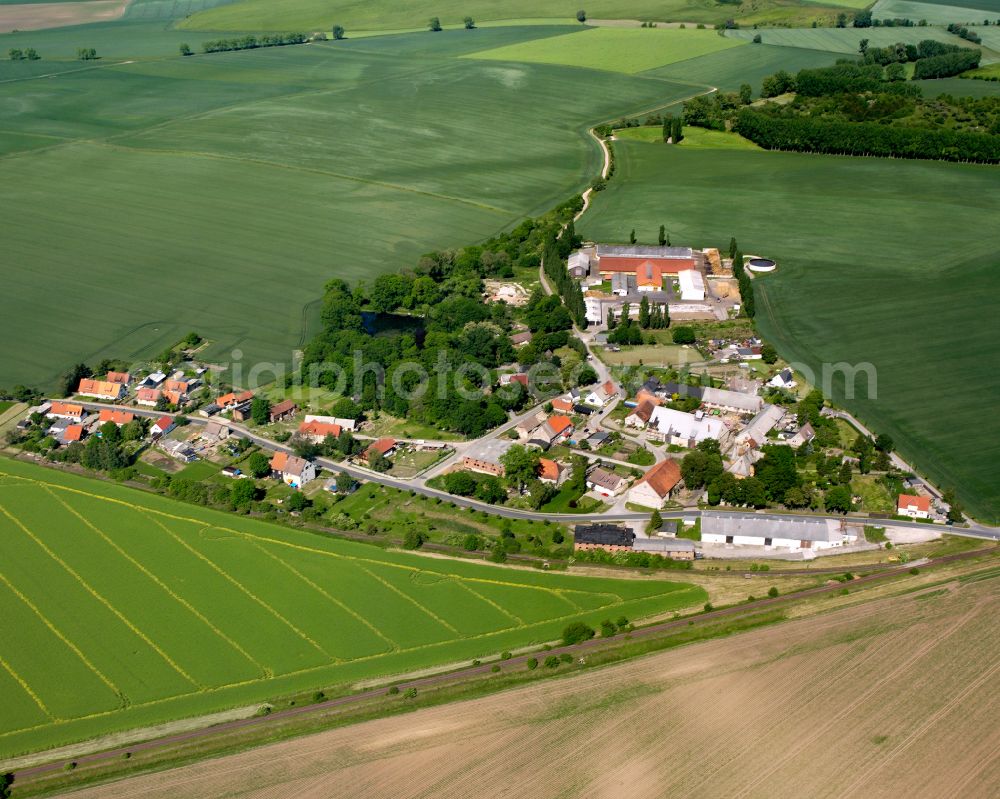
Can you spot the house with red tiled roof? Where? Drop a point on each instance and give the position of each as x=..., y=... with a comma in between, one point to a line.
x=73, y=432
x=65, y=410
x=318, y=431
x=283, y=410
x=180, y=386
x=914, y=506
x=601, y=395
x=162, y=426
x=148, y=397
x=100, y=389
x=562, y=405
x=641, y=415
x=122, y=378
x=655, y=488
x=118, y=417
x=386, y=446
x=229, y=401
x=555, y=430
x=549, y=471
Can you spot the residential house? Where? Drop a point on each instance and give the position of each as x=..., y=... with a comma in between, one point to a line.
x=175, y=397
x=178, y=386
x=386, y=446
x=520, y=339
x=802, y=436
x=484, y=456
x=562, y=405
x=121, y=378
x=162, y=426
x=556, y=429
x=65, y=410
x=100, y=389
x=285, y=409
x=605, y=482
x=317, y=431
x=609, y=537
x=118, y=417
x=654, y=489
x=641, y=415
x=69, y=434
x=916, y=507
x=229, y=401
x=784, y=379
x=794, y=534
x=549, y=471
x=601, y=395
x=685, y=429
x=292, y=470
x=148, y=397
x=344, y=424
x=599, y=439
x=507, y=379
x=525, y=428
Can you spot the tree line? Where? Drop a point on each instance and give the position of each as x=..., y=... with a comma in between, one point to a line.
x=251, y=42
x=802, y=134
x=28, y=54
x=742, y=279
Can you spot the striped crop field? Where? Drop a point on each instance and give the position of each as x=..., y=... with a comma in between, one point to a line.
x=628, y=50
x=122, y=609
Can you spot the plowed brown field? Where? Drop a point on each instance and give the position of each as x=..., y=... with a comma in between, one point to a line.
x=893, y=698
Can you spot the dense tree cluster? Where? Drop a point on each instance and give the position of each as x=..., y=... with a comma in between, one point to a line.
x=28, y=54
x=865, y=138
x=944, y=66
x=554, y=256
x=251, y=42
x=743, y=280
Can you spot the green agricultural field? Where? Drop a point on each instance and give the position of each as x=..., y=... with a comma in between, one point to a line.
x=628, y=50
x=845, y=40
x=970, y=11
x=888, y=262
x=694, y=138
x=219, y=193
x=375, y=15
x=124, y=609
x=729, y=69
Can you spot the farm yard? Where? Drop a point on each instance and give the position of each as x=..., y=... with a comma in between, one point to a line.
x=901, y=242
x=883, y=699
x=141, y=189
x=123, y=609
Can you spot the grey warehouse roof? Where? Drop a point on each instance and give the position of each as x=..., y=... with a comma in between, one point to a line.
x=765, y=526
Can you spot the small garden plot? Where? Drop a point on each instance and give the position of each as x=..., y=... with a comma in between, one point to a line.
x=411, y=462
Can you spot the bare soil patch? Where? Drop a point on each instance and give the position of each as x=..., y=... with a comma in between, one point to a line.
x=896, y=697
x=36, y=16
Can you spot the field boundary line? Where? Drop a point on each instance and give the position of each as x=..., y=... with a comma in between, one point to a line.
x=102, y=599
x=339, y=603
x=180, y=600
x=228, y=577
x=488, y=601
x=27, y=689
x=409, y=598
x=59, y=634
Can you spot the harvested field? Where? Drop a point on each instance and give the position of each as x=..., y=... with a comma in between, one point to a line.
x=896, y=697
x=35, y=16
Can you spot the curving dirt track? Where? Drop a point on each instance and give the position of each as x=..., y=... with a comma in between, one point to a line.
x=896, y=697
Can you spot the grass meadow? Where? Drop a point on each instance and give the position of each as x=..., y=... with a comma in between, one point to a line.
x=373, y=15
x=628, y=50
x=123, y=609
x=883, y=261
x=219, y=193
x=972, y=11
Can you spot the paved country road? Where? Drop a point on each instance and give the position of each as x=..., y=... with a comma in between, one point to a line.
x=575, y=650
x=418, y=485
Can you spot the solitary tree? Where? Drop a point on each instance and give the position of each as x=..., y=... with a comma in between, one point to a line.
x=258, y=465
x=434, y=24
x=746, y=94
x=15, y=54
x=663, y=235
x=470, y=23
x=260, y=410
x=581, y=16
x=186, y=49
x=338, y=32
x=863, y=46
x=631, y=237
x=655, y=522
x=768, y=354
x=678, y=132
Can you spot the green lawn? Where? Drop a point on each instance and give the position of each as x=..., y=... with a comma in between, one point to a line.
x=887, y=262
x=627, y=50
x=126, y=609
x=199, y=470
x=231, y=187
x=6, y=405
x=560, y=503
x=694, y=138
